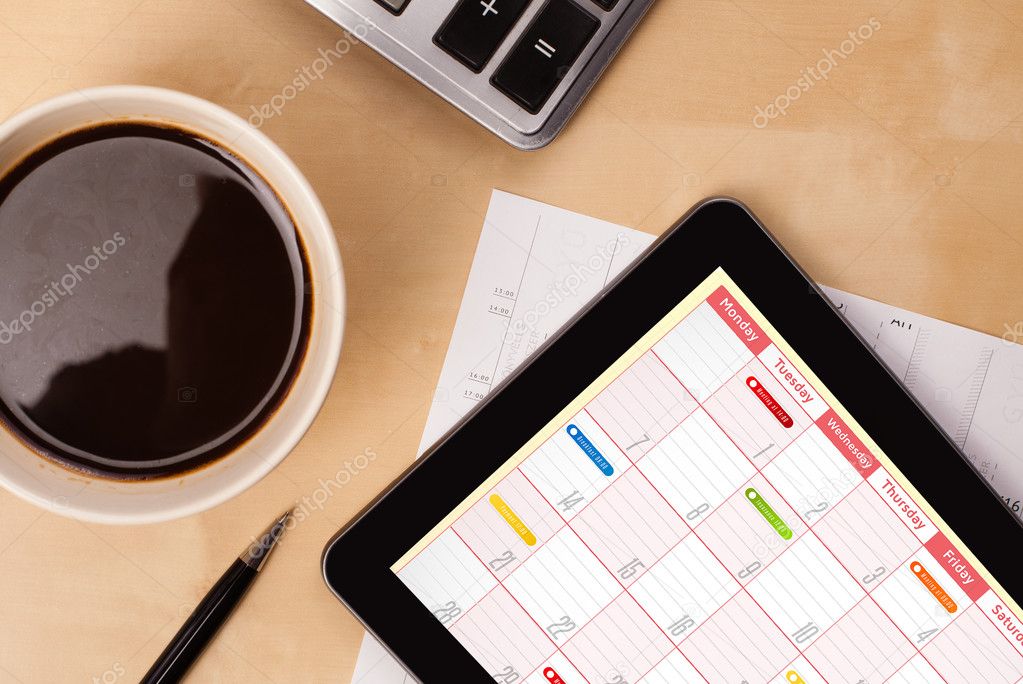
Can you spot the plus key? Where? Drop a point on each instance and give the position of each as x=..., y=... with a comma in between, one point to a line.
x=475, y=29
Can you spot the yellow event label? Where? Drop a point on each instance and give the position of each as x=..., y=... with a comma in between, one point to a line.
x=514, y=521
x=794, y=677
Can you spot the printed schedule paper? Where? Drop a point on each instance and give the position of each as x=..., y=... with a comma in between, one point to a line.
x=971, y=383
x=706, y=511
x=536, y=265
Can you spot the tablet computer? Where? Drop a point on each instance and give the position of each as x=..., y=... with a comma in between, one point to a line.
x=705, y=477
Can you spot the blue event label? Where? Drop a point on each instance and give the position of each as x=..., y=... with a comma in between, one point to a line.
x=591, y=451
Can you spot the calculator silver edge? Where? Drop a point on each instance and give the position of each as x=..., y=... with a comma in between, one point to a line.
x=407, y=42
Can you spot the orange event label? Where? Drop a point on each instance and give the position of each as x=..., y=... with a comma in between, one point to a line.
x=932, y=586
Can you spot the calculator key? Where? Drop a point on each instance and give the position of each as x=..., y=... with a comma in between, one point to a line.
x=546, y=52
x=607, y=4
x=475, y=29
x=396, y=6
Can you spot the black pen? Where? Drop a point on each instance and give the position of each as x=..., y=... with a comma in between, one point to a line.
x=213, y=611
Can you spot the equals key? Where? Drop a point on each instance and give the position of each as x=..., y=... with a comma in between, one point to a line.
x=545, y=53
x=545, y=48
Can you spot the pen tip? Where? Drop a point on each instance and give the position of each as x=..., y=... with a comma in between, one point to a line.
x=256, y=554
x=283, y=520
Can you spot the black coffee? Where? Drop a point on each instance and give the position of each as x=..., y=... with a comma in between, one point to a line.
x=153, y=311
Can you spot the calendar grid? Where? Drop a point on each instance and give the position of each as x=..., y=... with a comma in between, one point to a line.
x=880, y=584
x=812, y=531
x=703, y=403
x=791, y=556
x=693, y=529
x=501, y=586
x=625, y=590
x=920, y=548
x=808, y=661
x=497, y=582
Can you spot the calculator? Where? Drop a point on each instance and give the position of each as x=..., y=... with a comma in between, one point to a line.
x=518, y=67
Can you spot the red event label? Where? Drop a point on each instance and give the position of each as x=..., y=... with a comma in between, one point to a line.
x=737, y=318
x=848, y=443
x=769, y=401
x=551, y=676
x=957, y=567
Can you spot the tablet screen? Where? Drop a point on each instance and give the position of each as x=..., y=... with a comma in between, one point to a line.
x=707, y=511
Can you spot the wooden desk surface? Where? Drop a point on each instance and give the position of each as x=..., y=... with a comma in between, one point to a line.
x=897, y=178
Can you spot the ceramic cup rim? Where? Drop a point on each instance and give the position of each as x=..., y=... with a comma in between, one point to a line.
x=98, y=499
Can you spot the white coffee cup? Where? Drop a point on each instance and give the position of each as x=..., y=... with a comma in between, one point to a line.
x=94, y=498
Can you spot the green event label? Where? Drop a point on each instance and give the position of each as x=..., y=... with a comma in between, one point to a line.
x=783, y=530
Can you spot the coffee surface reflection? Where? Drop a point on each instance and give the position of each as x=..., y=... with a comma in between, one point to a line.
x=153, y=301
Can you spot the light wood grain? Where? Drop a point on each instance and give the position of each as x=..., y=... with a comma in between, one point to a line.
x=897, y=178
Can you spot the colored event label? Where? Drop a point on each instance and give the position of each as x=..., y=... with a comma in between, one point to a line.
x=932, y=586
x=793, y=676
x=770, y=516
x=769, y=401
x=513, y=520
x=551, y=676
x=591, y=451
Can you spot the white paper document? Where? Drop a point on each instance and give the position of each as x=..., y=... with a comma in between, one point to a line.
x=971, y=383
x=537, y=265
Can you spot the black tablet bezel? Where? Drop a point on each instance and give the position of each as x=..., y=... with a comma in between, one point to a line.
x=716, y=233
